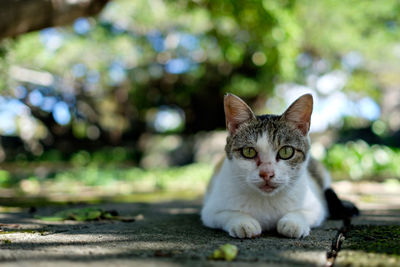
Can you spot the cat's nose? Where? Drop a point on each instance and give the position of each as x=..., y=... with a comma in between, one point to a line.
x=266, y=175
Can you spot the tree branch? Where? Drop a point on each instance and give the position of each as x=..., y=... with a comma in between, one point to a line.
x=21, y=16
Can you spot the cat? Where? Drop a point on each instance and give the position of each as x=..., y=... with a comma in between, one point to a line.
x=268, y=180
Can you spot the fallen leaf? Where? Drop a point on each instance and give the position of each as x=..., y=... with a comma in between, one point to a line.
x=86, y=214
x=226, y=252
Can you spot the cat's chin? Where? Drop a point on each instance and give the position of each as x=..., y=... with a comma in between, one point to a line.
x=267, y=188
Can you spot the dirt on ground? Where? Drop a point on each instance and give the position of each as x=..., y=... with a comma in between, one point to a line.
x=167, y=234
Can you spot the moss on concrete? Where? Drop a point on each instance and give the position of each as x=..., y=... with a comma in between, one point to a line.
x=24, y=231
x=375, y=238
x=371, y=245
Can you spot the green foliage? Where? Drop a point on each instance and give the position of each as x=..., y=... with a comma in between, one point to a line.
x=175, y=178
x=124, y=60
x=243, y=86
x=364, y=83
x=102, y=156
x=114, y=180
x=116, y=75
x=4, y=178
x=51, y=155
x=334, y=27
x=358, y=160
x=354, y=161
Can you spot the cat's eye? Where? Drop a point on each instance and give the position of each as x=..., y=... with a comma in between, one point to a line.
x=286, y=152
x=248, y=152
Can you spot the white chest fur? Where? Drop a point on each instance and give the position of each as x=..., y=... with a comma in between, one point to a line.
x=230, y=196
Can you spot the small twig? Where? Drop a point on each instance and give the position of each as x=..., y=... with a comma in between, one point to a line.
x=337, y=242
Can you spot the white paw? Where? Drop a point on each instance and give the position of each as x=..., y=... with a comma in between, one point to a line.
x=292, y=227
x=244, y=227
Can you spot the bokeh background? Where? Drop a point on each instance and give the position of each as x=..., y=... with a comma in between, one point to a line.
x=129, y=101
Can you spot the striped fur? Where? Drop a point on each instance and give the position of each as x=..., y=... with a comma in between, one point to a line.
x=248, y=195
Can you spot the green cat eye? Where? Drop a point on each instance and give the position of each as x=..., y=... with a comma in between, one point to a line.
x=286, y=152
x=248, y=152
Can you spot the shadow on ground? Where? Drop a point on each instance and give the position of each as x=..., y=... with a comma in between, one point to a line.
x=167, y=233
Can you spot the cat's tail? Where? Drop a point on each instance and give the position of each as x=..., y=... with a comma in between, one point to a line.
x=339, y=209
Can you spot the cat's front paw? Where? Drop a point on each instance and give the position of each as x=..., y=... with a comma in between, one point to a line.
x=292, y=227
x=244, y=227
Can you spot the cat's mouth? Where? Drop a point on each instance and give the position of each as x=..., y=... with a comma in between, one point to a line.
x=267, y=187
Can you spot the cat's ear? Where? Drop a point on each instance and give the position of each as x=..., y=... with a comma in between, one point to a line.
x=236, y=112
x=299, y=113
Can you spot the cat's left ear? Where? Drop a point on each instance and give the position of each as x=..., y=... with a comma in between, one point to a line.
x=236, y=112
x=299, y=113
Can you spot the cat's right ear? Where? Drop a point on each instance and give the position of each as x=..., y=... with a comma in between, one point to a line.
x=236, y=112
x=299, y=113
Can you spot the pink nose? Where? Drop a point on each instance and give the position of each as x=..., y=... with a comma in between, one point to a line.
x=266, y=175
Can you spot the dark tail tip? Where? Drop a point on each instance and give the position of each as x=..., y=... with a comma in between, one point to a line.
x=339, y=209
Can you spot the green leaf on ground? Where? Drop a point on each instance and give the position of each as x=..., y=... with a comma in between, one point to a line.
x=85, y=214
x=227, y=252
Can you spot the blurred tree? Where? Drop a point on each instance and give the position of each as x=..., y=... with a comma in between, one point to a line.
x=149, y=65
x=361, y=39
x=17, y=17
x=164, y=65
x=356, y=36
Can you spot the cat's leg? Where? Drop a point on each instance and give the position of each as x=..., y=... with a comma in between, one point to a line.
x=237, y=224
x=298, y=223
x=311, y=213
x=294, y=224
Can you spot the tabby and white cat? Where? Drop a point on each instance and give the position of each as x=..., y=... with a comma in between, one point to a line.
x=268, y=179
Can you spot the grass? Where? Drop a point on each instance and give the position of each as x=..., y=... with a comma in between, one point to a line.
x=102, y=174
x=361, y=161
x=93, y=181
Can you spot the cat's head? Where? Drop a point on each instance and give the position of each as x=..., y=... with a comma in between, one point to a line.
x=268, y=152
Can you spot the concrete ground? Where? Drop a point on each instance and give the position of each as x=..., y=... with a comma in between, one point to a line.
x=171, y=234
